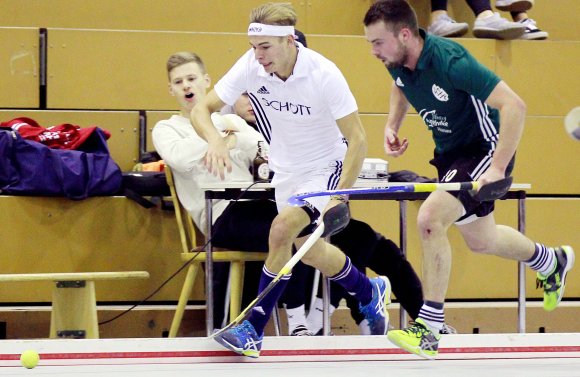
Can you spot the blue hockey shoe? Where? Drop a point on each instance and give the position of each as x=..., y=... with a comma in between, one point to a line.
x=242, y=339
x=375, y=312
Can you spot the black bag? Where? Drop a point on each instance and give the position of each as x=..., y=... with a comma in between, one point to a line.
x=140, y=184
x=409, y=176
x=146, y=183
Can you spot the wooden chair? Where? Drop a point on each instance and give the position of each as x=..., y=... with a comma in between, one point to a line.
x=237, y=260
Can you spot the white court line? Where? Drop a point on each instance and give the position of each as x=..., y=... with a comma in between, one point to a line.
x=421, y=368
x=461, y=355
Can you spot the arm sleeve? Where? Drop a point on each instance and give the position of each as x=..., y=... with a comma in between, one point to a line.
x=469, y=75
x=337, y=94
x=247, y=137
x=182, y=154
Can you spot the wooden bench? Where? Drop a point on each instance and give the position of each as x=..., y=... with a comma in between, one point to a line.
x=74, y=305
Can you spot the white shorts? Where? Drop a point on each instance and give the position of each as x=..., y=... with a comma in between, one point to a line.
x=288, y=184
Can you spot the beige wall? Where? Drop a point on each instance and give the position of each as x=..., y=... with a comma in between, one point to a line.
x=337, y=17
x=116, y=234
x=549, y=171
x=96, y=234
x=553, y=221
x=135, y=77
x=314, y=16
x=19, y=79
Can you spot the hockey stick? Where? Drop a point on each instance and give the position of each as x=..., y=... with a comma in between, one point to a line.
x=488, y=192
x=333, y=221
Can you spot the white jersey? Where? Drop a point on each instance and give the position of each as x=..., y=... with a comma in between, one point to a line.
x=297, y=116
x=183, y=150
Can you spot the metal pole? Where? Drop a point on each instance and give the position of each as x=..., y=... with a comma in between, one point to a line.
x=208, y=266
x=42, y=67
x=522, y=268
x=403, y=246
x=326, y=305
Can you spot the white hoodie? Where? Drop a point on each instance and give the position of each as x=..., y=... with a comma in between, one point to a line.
x=183, y=150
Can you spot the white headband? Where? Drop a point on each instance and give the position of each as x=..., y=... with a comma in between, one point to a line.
x=270, y=30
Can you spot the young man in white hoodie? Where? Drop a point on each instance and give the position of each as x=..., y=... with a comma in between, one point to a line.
x=184, y=151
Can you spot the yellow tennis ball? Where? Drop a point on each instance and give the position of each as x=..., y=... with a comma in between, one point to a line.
x=29, y=359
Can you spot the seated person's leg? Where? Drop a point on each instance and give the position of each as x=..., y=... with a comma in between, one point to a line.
x=362, y=244
x=252, y=272
x=357, y=241
x=316, y=312
x=388, y=259
x=243, y=226
x=220, y=285
x=294, y=300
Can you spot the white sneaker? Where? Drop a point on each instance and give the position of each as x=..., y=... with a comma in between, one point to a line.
x=447, y=329
x=364, y=327
x=301, y=330
x=496, y=27
x=532, y=32
x=445, y=26
x=514, y=5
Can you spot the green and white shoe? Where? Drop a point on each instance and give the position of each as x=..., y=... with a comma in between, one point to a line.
x=555, y=282
x=417, y=339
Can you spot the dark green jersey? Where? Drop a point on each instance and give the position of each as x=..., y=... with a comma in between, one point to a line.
x=448, y=88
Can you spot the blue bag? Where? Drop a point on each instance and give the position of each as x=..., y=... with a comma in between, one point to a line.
x=31, y=168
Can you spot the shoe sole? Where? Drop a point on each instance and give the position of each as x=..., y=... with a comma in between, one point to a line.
x=517, y=6
x=387, y=301
x=535, y=36
x=455, y=33
x=414, y=350
x=506, y=34
x=239, y=351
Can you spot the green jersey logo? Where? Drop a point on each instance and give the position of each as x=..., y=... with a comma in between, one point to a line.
x=439, y=93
